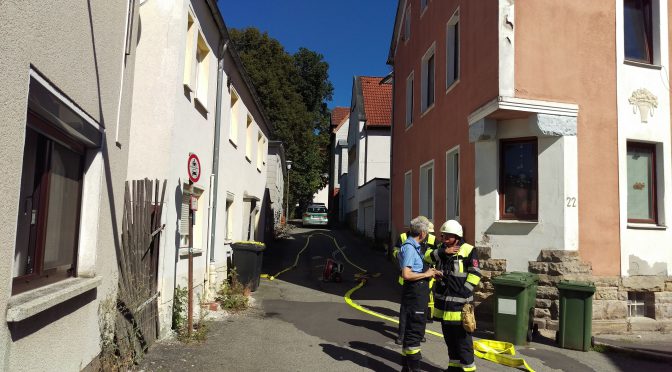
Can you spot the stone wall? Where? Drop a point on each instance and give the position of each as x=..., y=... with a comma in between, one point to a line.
x=551, y=267
x=483, y=299
x=610, y=302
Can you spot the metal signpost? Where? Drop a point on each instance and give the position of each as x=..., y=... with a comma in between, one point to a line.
x=194, y=171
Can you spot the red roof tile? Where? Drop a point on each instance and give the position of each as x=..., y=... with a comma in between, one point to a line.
x=377, y=101
x=338, y=114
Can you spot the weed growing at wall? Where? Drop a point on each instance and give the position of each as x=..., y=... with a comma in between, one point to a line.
x=233, y=295
x=180, y=326
x=111, y=357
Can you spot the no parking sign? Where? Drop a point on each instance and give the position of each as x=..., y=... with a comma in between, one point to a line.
x=194, y=168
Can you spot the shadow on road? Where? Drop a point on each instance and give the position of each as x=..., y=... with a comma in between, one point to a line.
x=341, y=353
x=378, y=326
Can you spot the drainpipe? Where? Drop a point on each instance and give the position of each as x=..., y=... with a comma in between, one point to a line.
x=212, y=275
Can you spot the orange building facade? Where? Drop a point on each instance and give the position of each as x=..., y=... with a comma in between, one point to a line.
x=544, y=128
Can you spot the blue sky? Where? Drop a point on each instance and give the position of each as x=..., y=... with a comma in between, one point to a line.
x=353, y=35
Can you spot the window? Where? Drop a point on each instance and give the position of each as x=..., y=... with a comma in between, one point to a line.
x=189, y=79
x=260, y=150
x=409, y=100
x=423, y=5
x=638, y=30
x=229, y=217
x=428, y=79
x=408, y=197
x=202, y=71
x=47, y=235
x=641, y=159
x=427, y=190
x=453, y=49
x=188, y=216
x=453, y=184
x=233, y=129
x=248, y=139
x=641, y=304
x=407, y=25
x=518, y=196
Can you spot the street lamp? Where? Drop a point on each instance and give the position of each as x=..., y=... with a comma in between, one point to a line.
x=289, y=167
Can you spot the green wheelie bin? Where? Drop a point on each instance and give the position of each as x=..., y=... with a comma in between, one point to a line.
x=576, y=315
x=515, y=299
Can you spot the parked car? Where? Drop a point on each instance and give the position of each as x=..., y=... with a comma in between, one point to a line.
x=315, y=214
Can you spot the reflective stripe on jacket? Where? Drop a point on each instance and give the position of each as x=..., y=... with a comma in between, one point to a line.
x=460, y=276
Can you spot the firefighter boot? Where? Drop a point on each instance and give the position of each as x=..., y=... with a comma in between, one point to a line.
x=413, y=365
x=404, y=363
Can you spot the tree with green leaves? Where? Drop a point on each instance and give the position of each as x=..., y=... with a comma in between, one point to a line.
x=293, y=89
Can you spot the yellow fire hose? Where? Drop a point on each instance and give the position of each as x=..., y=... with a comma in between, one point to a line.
x=495, y=351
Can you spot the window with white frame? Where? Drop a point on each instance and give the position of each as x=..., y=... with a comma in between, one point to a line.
x=189, y=214
x=641, y=163
x=518, y=179
x=423, y=5
x=229, y=217
x=428, y=79
x=638, y=30
x=233, y=129
x=453, y=49
x=427, y=190
x=453, y=184
x=260, y=150
x=407, y=25
x=202, y=71
x=408, y=197
x=409, y=100
x=189, y=79
x=248, y=138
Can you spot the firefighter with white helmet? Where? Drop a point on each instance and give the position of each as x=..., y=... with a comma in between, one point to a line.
x=458, y=263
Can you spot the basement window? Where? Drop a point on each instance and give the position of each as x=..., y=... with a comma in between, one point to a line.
x=640, y=305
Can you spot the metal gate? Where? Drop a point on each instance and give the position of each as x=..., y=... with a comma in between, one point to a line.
x=137, y=321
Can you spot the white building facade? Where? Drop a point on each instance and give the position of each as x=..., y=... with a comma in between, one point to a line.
x=366, y=195
x=192, y=98
x=67, y=78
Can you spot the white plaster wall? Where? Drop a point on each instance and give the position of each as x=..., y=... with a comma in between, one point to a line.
x=79, y=48
x=322, y=195
x=649, y=245
x=168, y=126
x=237, y=175
x=355, y=172
x=378, y=154
x=340, y=156
x=362, y=144
x=521, y=241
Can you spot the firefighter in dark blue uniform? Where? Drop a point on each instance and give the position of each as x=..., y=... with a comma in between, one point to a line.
x=458, y=263
x=415, y=296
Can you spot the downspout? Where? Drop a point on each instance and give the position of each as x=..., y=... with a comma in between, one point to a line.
x=391, y=190
x=212, y=275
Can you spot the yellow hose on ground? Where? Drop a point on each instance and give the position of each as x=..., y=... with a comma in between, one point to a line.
x=495, y=351
x=296, y=260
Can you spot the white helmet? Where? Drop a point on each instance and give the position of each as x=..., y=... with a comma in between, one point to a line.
x=431, y=227
x=452, y=227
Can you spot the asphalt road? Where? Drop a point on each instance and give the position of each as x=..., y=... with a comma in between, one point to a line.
x=300, y=323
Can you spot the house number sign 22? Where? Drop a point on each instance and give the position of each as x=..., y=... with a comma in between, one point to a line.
x=571, y=202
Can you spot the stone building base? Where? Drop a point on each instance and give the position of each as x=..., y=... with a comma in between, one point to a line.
x=611, y=309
